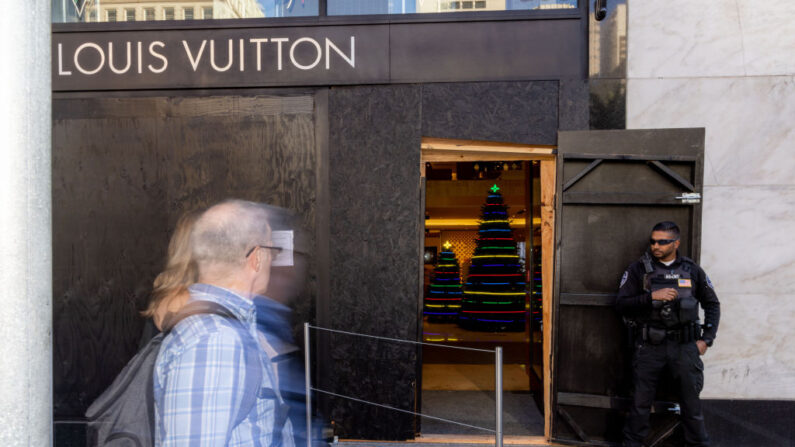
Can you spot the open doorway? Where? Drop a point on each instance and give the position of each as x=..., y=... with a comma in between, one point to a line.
x=483, y=284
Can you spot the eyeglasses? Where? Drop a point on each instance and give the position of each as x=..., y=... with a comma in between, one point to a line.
x=662, y=241
x=278, y=249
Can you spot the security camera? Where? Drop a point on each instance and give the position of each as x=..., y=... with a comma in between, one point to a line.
x=600, y=9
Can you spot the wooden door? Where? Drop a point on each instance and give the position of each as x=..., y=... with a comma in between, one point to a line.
x=612, y=187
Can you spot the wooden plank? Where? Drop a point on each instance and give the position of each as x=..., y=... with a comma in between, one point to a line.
x=445, y=144
x=587, y=299
x=582, y=173
x=591, y=156
x=664, y=433
x=528, y=255
x=573, y=425
x=619, y=198
x=608, y=402
x=548, y=172
x=585, y=400
x=474, y=155
x=673, y=175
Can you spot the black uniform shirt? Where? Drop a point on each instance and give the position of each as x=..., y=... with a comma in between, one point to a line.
x=633, y=301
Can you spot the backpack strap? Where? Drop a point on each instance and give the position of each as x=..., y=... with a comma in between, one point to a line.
x=196, y=308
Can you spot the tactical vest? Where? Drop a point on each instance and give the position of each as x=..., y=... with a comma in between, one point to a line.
x=684, y=309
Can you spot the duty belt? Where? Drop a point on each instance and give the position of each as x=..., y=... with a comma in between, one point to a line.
x=685, y=334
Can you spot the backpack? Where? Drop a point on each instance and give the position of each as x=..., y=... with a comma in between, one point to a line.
x=124, y=414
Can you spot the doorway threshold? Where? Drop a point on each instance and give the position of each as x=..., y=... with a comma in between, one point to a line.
x=450, y=440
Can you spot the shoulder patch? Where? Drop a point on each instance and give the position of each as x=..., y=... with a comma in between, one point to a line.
x=624, y=279
x=709, y=282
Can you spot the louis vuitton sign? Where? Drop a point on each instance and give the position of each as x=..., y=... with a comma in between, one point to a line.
x=219, y=58
x=317, y=54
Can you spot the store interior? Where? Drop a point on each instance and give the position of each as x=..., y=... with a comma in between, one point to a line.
x=459, y=384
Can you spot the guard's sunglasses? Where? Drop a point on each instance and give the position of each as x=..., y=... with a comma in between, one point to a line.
x=662, y=241
x=278, y=249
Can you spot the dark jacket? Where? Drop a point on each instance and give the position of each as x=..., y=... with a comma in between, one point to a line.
x=634, y=301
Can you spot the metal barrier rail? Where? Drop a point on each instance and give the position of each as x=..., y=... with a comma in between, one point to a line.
x=498, y=435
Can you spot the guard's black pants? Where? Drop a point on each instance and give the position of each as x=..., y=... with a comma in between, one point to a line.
x=649, y=364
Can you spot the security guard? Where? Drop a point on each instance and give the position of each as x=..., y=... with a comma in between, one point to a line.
x=659, y=297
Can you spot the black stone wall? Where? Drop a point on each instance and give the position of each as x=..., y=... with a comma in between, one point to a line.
x=374, y=141
x=375, y=135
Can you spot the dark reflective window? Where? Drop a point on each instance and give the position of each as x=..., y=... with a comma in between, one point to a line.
x=359, y=7
x=64, y=11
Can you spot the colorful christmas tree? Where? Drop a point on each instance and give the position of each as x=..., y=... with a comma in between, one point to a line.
x=495, y=289
x=443, y=300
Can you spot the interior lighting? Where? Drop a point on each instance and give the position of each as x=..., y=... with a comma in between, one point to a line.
x=472, y=292
x=441, y=223
x=495, y=256
x=493, y=311
x=500, y=274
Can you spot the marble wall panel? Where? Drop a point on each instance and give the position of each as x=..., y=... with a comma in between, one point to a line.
x=517, y=112
x=768, y=30
x=374, y=180
x=752, y=358
x=750, y=139
x=747, y=239
x=683, y=38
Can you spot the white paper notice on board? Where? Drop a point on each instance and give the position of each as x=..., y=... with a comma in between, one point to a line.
x=283, y=239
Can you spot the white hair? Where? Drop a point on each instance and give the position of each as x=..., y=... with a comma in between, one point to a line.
x=223, y=235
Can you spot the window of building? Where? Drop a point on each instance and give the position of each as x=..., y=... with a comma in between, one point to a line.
x=67, y=11
x=361, y=7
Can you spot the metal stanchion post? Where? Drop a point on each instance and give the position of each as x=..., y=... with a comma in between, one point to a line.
x=308, y=386
x=498, y=395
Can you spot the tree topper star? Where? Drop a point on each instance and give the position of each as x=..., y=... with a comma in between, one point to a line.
x=495, y=188
x=447, y=245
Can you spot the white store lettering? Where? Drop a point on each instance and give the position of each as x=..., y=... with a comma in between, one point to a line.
x=267, y=53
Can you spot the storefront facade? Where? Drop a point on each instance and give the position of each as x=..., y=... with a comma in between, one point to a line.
x=324, y=113
x=327, y=116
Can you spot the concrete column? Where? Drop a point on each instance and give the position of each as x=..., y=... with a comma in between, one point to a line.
x=25, y=225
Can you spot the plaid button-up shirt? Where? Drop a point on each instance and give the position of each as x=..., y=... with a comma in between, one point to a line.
x=201, y=378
